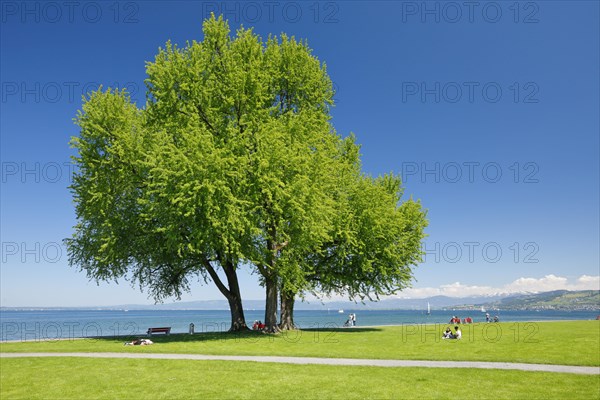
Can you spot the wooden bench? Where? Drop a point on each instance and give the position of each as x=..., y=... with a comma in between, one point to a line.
x=166, y=331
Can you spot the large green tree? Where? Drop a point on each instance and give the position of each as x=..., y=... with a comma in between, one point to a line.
x=233, y=163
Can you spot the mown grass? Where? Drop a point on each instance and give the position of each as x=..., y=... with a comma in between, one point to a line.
x=77, y=378
x=569, y=343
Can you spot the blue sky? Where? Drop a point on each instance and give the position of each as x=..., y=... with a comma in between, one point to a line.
x=489, y=110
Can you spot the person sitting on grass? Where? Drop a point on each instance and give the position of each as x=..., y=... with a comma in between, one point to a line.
x=447, y=334
x=139, y=342
x=457, y=333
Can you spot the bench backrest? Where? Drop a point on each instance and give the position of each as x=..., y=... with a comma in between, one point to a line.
x=152, y=330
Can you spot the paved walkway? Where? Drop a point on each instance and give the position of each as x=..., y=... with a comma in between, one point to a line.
x=329, y=361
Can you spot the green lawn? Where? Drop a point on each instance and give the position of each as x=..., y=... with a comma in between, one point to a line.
x=78, y=378
x=570, y=343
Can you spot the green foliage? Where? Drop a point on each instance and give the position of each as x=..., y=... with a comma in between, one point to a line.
x=375, y=239
x=234, y=161
x=119, y=232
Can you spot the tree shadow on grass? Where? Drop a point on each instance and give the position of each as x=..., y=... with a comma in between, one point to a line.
x=185, y=337
x=249, y=335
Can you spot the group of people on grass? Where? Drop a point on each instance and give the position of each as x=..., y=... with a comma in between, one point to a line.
x=448, y=334
x=456, y=320
x=489, y=319
x=258, y=325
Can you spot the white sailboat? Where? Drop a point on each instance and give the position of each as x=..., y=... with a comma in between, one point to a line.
x=428, y=308
x=483, y=309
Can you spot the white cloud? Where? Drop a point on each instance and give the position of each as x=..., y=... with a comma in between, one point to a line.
x=545, y=284
x=589, y=280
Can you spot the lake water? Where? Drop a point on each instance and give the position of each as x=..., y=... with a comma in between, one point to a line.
x=67, y=324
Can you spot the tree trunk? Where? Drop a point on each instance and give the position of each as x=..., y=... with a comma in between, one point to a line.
x=287, y=311
x=238, y=321
x=231, y=293
x=271, y=305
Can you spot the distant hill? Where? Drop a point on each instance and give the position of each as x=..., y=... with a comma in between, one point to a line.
x=556, y=300
x=582, y=300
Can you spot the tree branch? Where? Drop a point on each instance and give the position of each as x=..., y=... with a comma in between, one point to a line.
x=215, y=277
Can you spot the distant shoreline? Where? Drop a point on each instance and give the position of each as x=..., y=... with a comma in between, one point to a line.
x=557, y=300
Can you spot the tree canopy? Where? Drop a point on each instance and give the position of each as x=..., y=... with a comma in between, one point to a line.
x=234, y=163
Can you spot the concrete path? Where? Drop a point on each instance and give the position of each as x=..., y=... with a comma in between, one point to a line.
x=329, y=361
